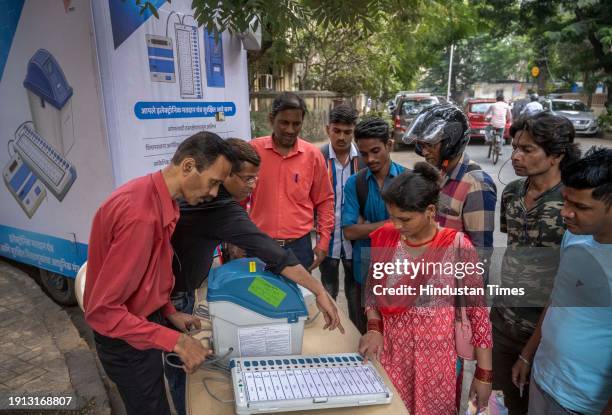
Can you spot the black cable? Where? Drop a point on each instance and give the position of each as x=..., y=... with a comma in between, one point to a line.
x=499, y=171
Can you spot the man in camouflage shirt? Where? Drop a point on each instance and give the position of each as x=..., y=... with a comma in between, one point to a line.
x=530, y=215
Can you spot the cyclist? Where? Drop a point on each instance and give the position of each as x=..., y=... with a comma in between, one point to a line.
x=499, y=114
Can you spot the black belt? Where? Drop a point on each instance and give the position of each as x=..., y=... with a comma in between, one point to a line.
x=285, y=242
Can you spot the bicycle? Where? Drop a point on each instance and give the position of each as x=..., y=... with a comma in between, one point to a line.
x=495, y=140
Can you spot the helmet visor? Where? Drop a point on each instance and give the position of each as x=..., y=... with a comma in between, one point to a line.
x=429, y=130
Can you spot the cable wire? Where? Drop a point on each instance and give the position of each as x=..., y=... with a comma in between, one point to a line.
x=219, y=379
x=500, y=169
x=209, y=361
x=309, y=322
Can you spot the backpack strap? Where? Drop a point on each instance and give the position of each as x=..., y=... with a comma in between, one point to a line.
x=328, y=163
x=362, y=190
x=325, y=150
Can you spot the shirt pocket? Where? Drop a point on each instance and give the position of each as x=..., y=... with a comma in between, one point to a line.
x=298, y=185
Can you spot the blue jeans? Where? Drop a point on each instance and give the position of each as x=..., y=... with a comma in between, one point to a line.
x=183, y=301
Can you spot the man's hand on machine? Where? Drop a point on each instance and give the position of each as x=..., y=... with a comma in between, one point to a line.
x=330, y=312
x=192, y=352
x=184, y=322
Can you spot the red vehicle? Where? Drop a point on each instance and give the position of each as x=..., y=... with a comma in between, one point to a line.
x=476, y=110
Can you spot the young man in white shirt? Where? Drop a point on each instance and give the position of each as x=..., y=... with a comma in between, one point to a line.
x=342, y=160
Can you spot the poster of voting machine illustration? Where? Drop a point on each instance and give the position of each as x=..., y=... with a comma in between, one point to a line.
x=92, y=95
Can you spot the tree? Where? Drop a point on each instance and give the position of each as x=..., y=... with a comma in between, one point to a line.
x=571, y=39
x=345, y=60
x=481, y=58
x=277, y=16
x=380, y=45
x=442, y=24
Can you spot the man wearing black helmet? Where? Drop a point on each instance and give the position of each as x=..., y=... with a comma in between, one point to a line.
x=468, y=195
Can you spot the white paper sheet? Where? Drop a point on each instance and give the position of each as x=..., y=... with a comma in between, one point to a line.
x=265, y=340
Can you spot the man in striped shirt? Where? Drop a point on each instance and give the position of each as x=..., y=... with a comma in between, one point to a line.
x=468, y=195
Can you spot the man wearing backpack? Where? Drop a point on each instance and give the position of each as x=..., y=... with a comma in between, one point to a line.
x=364, y=210
x=342, y=160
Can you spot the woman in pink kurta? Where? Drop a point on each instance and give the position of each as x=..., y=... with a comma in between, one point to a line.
x=413, y=334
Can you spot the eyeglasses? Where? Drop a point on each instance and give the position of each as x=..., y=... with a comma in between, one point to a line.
x=250, y=180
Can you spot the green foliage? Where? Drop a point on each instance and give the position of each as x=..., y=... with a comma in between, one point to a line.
x=345, y=60
x=146, y=5
x=381, y=46
x=378, y=55
x=481, y=58
x=278, y=16
x=571, y=39
x=260, y=126
x=605, y=121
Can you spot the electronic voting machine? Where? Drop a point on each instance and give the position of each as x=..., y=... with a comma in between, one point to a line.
x=258, y=322
x=292, y=383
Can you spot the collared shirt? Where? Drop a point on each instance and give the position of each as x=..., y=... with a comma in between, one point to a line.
x=291, y=190
x=467, y=202
x=129, y=265
x=339, y=175
x=202, y=227
x=573, y=363
x=375, y=211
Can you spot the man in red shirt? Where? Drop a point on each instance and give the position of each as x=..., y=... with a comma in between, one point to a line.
x=293, y=185
x=129, y=272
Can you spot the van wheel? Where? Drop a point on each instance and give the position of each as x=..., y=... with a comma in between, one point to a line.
x=59, y=288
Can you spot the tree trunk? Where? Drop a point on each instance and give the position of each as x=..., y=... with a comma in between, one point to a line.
x=608, y=102
x=542, y=77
